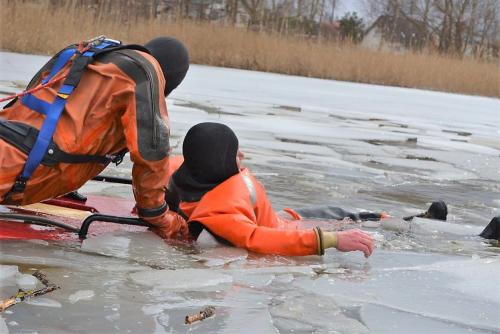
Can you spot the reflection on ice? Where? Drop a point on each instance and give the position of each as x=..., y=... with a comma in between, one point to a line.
x=221, y=255
x=441, y=290
x=429, y=227
x=107, y=244
x=143, y=248
x=294, y=312
x=408, y=322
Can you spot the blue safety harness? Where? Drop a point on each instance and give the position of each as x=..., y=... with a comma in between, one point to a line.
x=53, y=111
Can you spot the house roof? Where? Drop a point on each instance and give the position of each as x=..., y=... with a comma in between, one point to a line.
x=398, y=26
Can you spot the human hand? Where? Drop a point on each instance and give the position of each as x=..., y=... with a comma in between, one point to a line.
x=169, y=226
x=353, y=240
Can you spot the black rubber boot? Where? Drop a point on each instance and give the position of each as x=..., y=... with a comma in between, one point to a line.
x=437, y=210
x=492, y=231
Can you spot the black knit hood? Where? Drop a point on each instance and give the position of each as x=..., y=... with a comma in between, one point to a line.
x=173, y=58
x=209, y=151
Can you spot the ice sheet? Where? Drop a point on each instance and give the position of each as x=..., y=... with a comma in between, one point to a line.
x=310, y=142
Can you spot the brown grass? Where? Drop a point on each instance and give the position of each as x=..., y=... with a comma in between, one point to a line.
x=35, y=29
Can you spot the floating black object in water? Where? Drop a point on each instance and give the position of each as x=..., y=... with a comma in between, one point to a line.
x=437, y=210
x=492, y=231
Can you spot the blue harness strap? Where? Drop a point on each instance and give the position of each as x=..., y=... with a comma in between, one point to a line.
x=62, y=60
x=53, y=111
x=44, y=137
x=36, y=104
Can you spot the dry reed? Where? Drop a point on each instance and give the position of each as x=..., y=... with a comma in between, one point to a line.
x=31, y=28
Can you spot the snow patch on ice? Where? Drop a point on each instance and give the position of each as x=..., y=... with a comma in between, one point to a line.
x=10, y=276
x=206, y=240
x=108, y=245
x=6, y=272
x=181, y=279
x=45, y=302
x=81, y=295
x=221, y=255
x=3, y=326
x=476, y=277
x=26, y=282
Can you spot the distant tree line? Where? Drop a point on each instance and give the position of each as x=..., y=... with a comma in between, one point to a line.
x=307, y=17
x=449, y=26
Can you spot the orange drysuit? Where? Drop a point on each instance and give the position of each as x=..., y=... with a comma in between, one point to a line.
x=119, y=104
x=238, y=211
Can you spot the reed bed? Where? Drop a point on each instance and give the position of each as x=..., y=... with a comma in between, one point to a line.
x=39, y=29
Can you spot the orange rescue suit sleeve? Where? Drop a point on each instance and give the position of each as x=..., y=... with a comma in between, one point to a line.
x=228, y=212
x=150, y=174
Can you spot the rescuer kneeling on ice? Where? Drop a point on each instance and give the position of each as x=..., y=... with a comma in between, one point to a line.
x=89, y=105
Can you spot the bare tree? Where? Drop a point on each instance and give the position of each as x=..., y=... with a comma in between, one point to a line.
x=254, y=10
x=487, y=32
x=287, y=6
x=232, y=10
x=459, y=26
x=333, y=6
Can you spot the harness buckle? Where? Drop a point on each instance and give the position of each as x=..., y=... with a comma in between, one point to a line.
x=19, y=185
x=116, y=158
x=96, y=40
x=114, y=41
x=63, y=96
x=100, y=39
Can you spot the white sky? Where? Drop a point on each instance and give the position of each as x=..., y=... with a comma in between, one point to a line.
x=345, y=6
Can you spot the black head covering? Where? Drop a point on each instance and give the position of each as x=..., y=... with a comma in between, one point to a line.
x=209, y=151
x=437, y=210
x=173, y=58
x=492, y=231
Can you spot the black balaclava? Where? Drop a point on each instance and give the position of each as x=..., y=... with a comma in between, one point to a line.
x=209, y=151
x=437, y=210
x=492, y=231
x=173, y=58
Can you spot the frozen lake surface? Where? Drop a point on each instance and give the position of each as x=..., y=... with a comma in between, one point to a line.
x=310, y=142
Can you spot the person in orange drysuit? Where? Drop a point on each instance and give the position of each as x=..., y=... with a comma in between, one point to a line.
x=214, y=192
x=118, y=106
